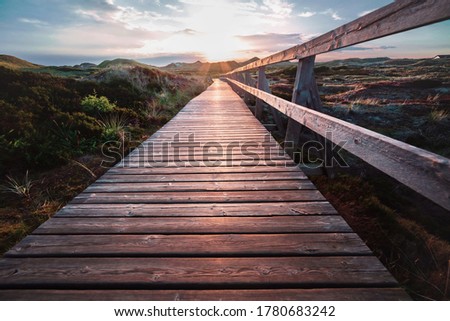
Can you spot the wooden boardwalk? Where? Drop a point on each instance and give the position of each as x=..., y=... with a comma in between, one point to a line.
x=224, y=215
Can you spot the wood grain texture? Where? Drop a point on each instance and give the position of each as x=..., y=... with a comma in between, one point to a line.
x=223, y=245
x=198, y=197
x=325, y=294
x=166, y=273
x=194, y=225
x=201, y=186
x=217, y=177
x=198, y=210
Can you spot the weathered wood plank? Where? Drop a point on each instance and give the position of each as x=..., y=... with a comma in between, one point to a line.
x=201, y=170
x=199, y=197
x=248, y=157
x=199, y=210
x=166, y=273
x=218, y=177
x=195, y=225
x=211, y=163
x=325, y=294
x=224, y=245
x=200, y=186
x=423, y=171
x=402, y=15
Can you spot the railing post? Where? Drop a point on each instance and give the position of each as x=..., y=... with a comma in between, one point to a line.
x=263, y=84
x=305, y=93
x=240, y=78
x=248, y=80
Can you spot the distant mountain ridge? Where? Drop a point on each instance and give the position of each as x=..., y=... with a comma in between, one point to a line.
x=87, y=69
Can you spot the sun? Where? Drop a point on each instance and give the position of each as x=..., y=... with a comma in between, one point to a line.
x=210, y=34
x=215, y=26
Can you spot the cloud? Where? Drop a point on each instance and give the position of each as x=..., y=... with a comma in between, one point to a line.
x=102, y=39
x=173, y=8
x=332, y=13
x=187, y=31
x=307, y=14
x=271, y=41
x=279, y=7
x=129, y=17
x=33, y=21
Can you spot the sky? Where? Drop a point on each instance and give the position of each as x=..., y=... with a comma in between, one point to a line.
x=68, y=32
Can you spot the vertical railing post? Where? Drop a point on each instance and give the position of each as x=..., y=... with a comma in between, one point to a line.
x=306, y=93
x=263, y=84
x=248, y=80
x=240, y=78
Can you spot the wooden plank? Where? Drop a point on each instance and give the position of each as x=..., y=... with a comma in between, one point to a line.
x=199, y=197
x=201, y=170
x=199, y=210
x=249, y=156
x=195, y=225
x=212, y=163
x=200, y=186
x=224, y=245
x=402, y=15
x=169, y=273
x=235, y=177
x=325, y=294
x=423, y=171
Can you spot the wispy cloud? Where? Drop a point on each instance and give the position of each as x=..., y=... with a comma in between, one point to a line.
x=271, y=41
x=279, y=7
x=307, y=14
x=332, y=13
x=173, y=8
x=36, y=22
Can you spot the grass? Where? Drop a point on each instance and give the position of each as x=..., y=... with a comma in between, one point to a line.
x=17, y=186
x=438, y=115
x=113, y=126
x=154, y=112
x=414, y=249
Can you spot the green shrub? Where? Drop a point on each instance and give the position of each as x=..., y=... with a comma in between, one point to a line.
x=92, y=103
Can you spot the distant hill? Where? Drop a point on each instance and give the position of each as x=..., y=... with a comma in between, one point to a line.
x=122, y=62
x=206, y=67
x=85, y=65
x=15, y=63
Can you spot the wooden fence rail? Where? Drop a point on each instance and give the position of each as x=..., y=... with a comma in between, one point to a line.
x=402, y=15
x=423, y=171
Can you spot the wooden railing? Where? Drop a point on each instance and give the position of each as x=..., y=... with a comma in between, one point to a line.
x=422, y=171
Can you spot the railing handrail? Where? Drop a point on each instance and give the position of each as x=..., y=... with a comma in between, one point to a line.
x=423, y=171
x=400, y=16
